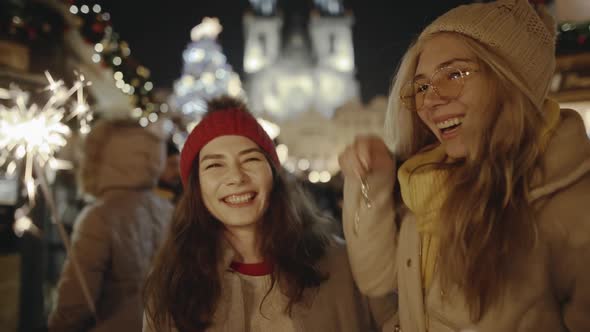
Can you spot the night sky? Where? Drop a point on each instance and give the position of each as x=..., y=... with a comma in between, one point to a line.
x=158, y=32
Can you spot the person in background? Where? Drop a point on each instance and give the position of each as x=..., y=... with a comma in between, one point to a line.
x=116, y=236
x=246, y=250
x=487, y=226
x=169, y=183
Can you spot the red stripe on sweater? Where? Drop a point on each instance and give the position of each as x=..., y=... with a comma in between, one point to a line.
x=253, y=269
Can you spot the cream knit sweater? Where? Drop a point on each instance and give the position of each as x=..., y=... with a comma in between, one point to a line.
x=271, y=315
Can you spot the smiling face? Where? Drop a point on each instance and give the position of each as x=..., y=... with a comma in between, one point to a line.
x=444, y=116
x=236, y=181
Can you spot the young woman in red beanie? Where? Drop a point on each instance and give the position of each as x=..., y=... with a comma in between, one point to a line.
x=485, y=225
x=246, y=251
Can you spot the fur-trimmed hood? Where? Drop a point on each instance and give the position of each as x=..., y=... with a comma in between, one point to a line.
x=121, y=155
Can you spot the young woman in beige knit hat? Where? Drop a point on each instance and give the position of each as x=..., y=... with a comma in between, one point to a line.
x=485, y=227
x=246, y=251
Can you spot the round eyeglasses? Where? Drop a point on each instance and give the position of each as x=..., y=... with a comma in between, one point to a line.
x=446, y=82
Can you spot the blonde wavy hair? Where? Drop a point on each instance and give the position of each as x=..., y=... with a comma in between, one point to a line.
x=487, y=217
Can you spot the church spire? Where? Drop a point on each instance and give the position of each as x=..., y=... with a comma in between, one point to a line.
x=330, y=7
x=264, y=7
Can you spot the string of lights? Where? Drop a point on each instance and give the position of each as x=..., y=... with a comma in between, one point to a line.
x=111, y=51
x=33, y=25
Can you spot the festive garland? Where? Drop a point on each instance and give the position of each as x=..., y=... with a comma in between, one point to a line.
x=132, y=78
x=26, y=23
x=32, y=24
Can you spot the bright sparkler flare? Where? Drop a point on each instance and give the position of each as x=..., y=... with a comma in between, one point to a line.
x=53, y=85
x=81, y=109
x=34, y=134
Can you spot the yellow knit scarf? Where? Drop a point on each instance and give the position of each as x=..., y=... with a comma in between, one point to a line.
x=424, y=191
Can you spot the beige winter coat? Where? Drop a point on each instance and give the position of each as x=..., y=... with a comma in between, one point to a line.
x=115, y=237
x=336, y=306
x=553, y=293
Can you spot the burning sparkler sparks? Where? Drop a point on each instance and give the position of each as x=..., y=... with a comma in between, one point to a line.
x=32, y=135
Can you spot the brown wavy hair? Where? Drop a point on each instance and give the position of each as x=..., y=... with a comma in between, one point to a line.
x=488, y=220
x=184, y=286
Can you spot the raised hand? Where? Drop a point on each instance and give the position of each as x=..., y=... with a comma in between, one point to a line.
x=366, y=155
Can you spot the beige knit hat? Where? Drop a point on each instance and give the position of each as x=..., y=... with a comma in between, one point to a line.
x=516, y=31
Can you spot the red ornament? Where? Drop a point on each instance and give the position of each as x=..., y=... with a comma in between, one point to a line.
x=582, y=39
x=98, y=27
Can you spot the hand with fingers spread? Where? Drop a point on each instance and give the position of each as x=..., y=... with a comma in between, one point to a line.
x=367, y=155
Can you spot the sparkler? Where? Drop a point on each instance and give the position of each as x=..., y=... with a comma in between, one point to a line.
x=35, y=134
x=32, y=135
x=80, y=109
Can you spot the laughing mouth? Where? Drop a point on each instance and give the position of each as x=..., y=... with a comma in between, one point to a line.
x=240, y=198
x=449, y=124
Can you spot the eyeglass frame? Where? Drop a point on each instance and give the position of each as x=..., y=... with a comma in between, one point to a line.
x=464, y=74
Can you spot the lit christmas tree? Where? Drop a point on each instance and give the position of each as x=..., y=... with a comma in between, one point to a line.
x=330, y=7
x=206, y=73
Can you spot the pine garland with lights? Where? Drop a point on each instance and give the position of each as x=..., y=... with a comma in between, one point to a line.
x=31, y=24
x=111, y=51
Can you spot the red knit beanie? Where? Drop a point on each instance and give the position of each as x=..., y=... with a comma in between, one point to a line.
x=230, y=121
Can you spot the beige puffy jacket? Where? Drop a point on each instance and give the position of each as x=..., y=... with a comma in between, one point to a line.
x=114, y=238
x=553, y=292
